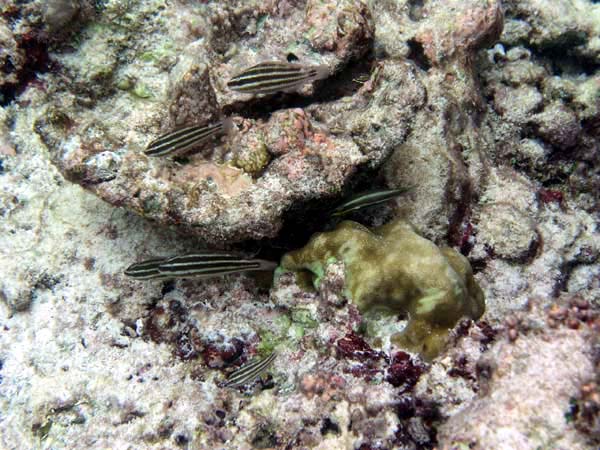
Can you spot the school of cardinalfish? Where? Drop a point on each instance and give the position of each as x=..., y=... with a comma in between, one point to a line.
x=263, y=78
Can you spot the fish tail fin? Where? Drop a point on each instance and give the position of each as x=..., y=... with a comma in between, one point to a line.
x=229, y=127
x=321, y=72
x=267, y=265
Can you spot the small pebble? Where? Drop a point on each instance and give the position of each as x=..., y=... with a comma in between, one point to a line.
x=557, y=312
x=588, y=388
x=582, y=304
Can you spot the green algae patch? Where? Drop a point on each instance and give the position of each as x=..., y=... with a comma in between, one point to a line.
x=268, y=342
x=141, y=90
x=286, y=332
x=395, y=270
x=304, y=317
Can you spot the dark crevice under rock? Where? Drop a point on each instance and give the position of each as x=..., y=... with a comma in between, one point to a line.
x=35, y=48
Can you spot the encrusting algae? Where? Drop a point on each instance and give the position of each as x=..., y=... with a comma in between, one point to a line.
x=393, y=269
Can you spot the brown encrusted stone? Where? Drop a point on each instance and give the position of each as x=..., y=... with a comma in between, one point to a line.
x=456, y=27
x=345, y=27
x=315, y=149
x=518, y=104
x=192, y=98
x=558, y=125
x=12, y=57
x=518, y=400
x=211, y=198
x=443, y=158
x=59, y=13
x=510, y=233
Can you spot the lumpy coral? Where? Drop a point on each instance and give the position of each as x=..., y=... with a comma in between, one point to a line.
x=393, y=269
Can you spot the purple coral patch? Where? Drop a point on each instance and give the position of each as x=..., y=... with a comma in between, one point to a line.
x=354, y=346
x=219, y=354
x=404, y=370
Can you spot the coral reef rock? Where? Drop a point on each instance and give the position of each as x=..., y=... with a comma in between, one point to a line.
x=516, y=411
x=143, y=70
x=487, y=112
x=392, y=268
x=109, y=97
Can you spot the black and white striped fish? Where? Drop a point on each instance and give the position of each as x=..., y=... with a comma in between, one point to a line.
x=249, y=372
x=365, y=199
x=201, y=265
x=211, y=264
x=271, y=77
x=186, y=138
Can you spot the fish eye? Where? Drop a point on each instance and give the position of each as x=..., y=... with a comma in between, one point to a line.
x=291, y=57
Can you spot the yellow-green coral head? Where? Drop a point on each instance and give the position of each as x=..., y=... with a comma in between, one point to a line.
x=395, y=269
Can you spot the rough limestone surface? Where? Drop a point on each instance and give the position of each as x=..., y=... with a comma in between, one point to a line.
x=444, y=158
x=488, y=111
x=523, y=373
x=140, y=71
x=27, y=29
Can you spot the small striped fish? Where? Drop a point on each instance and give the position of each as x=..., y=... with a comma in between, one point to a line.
x=365, y=199
x=186, y=138
x=211, y=264
x=203, y=265
x=249, y=372
x=145, y=270
x=271, y=77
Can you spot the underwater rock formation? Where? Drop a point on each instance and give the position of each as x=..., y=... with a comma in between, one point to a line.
x=497, y=141
x=445, y=157
x=282, y=158
x=291, y=148
x=392, y=268
x=520, y=414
